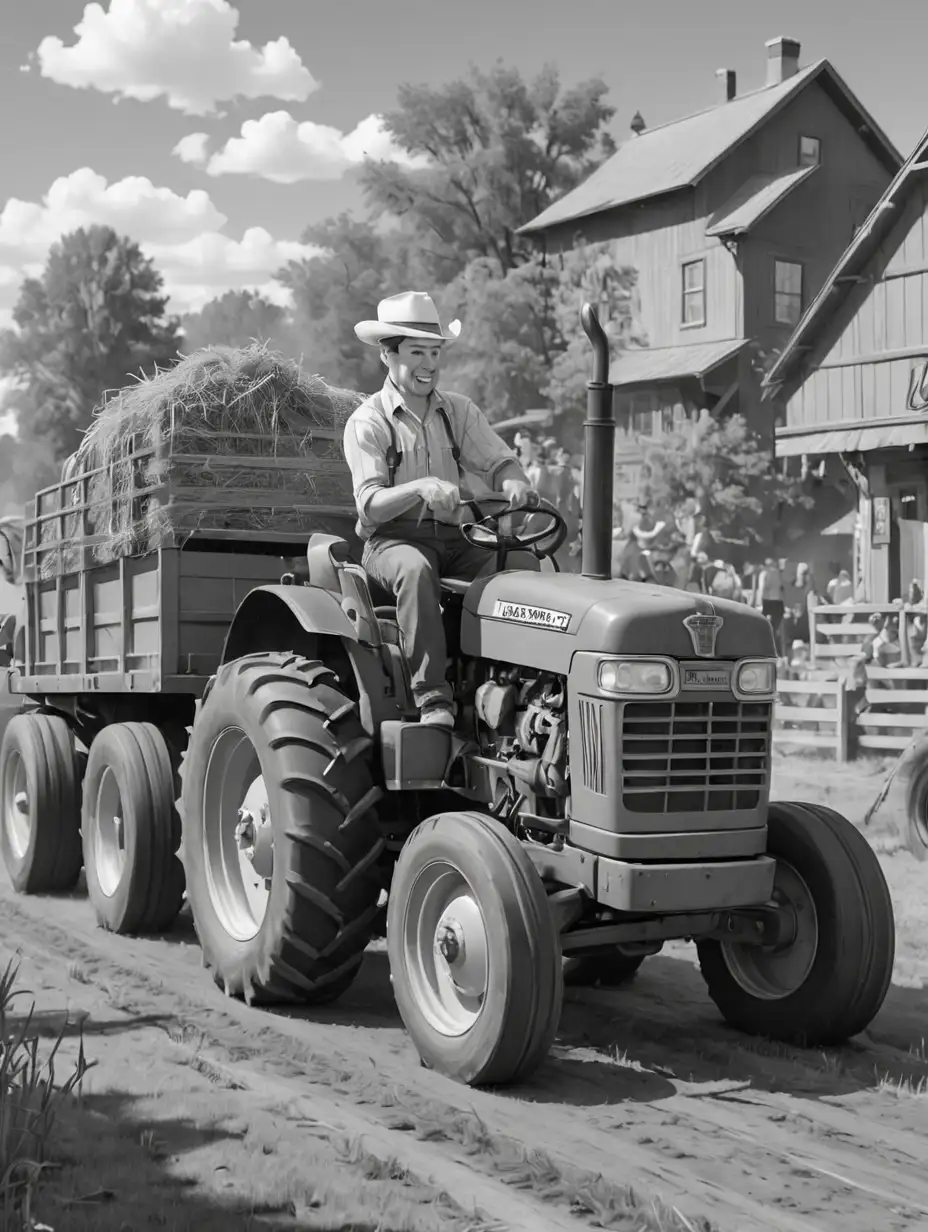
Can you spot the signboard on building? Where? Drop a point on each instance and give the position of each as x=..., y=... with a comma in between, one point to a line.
x=880, y=525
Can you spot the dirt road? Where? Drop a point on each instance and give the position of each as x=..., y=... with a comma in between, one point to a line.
x=647, y=1095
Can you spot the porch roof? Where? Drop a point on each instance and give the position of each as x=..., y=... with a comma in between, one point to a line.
x=859, y=438
x=754, y=200
x=649, y=365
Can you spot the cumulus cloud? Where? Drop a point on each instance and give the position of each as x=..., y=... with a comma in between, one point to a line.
x=276, y=147
x=133, y=206
x=192, y=148
x=183, y=235
x=182, y=50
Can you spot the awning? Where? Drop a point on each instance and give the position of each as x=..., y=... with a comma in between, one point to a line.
x=845, y=525
x=859, y=439
x=654, y=364
x=754, y=200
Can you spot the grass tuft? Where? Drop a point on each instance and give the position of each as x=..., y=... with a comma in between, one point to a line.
x=30, y=1098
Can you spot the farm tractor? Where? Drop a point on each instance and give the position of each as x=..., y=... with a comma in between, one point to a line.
x=605, y=788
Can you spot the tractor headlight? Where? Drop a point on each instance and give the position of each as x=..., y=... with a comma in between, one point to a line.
x=635, y=676
x=756, y=678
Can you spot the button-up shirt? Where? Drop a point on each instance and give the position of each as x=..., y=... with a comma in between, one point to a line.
x=426, y=449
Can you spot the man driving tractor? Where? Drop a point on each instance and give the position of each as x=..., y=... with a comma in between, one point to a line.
x=410, y=449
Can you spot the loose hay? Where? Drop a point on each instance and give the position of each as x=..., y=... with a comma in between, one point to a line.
x=225, y=440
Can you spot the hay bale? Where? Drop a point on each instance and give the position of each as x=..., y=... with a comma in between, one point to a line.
x=227, y=440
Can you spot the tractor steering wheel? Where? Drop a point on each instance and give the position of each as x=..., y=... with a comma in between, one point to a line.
x=485, y=531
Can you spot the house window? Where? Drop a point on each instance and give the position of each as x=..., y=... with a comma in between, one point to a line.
x=787, y=297
x=694, y=292
x=810, y=151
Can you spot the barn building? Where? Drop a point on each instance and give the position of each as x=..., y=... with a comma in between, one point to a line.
x=852, y=385
x=732, y=218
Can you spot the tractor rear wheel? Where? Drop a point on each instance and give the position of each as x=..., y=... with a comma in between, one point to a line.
x=40, y=797
x=135, y=882
x=474, y=955
x=916, y=835
x=607, y=968
x=281, y=845
x=829, y=982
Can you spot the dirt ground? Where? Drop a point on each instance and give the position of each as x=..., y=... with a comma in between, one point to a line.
x=203, y=1114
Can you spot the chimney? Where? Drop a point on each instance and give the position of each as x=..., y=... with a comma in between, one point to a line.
x=782, y=60
x=725, y=84
x=637, y=125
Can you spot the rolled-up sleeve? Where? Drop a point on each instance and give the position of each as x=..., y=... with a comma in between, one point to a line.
x=483, y=451
x=366, y=443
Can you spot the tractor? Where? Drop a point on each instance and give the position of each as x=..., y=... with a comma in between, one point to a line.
x=606, y=787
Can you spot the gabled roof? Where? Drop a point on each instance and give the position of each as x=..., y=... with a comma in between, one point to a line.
x=788, y=370
x=680, y=154
x=754, y=200
x=649, y=364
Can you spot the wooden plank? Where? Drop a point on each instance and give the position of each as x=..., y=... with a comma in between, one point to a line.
x=850, y=629
x=817, y=740
x=806, y=714
x=913, y=721
x=826, y=687
x=834, y=650
x=897, y=673
x=894, y=743
x=897, y=697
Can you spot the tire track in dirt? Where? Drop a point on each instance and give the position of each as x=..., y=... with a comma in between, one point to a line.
x=745, y=1163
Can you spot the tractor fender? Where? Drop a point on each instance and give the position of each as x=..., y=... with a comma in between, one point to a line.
x=269, y=615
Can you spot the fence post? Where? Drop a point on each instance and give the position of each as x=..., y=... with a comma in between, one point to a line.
x=813, y=618
x=842, y=725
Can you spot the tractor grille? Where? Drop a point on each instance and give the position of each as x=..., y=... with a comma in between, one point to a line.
x=694, y=756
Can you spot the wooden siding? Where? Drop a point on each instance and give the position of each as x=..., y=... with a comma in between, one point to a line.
x=813, y=226
x=873, y=343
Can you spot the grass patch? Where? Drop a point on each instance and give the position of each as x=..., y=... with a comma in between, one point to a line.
x=30, y=1100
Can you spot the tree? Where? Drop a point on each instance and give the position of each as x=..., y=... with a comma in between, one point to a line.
x=360, y=265
x=722, y=474
x=498, y=150
x=94, y=318
x=522, y=345
x=236, y=319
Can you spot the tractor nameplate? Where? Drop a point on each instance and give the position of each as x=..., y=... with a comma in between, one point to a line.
x=705, y=678
x=523, y=614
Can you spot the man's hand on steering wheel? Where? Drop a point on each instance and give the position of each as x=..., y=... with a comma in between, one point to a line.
x=521, y=494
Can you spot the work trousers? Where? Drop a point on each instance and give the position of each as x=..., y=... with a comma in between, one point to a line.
x=409, y=562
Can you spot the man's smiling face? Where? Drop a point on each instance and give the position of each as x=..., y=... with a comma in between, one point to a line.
x=414, y=366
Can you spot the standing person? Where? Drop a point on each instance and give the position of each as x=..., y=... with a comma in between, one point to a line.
x=408, y=447
x=770, y=598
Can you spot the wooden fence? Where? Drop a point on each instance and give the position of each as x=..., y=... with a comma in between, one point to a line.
x=814, y=714
x=833, y=715
x=839, y=633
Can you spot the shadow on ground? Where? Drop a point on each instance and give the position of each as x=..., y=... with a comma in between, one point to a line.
x=115, y=1171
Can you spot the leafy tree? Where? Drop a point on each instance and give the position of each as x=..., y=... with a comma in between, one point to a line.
x=360, y=265
x=498, y=151
x=722, y=474
x=94, y=318
x=522, y=344
x=236, y=319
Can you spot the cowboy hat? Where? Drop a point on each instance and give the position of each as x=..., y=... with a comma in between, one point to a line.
x=411, y=314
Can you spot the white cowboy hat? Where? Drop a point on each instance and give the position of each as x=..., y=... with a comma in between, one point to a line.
x=411, y=314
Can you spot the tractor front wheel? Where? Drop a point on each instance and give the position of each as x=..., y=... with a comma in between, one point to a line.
x=281, y=847
x=828, y=983
x=474, y=955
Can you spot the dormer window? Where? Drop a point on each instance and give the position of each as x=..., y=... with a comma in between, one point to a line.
x=810, y=151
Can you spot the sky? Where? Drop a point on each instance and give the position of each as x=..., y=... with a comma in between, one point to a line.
x=214, y=134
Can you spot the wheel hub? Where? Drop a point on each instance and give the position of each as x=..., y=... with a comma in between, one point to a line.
x=254, y=839
x=461, y=945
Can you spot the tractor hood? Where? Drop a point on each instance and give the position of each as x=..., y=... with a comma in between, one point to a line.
x=541, y=619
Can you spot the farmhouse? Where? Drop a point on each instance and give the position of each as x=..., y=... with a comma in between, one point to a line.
x=852, y=384
x=732, y=218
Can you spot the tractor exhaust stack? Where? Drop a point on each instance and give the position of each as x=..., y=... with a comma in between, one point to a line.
x=598, y=456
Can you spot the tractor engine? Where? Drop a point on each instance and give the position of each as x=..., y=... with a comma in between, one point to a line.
x=521, y=719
